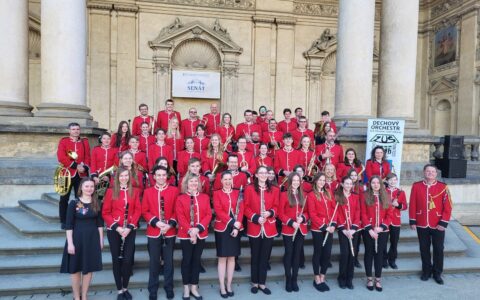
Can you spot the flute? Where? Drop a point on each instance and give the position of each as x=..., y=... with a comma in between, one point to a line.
x=122, y=245
x=377, y=217
x=348, y=228
x=330, y=224
x=298, y=215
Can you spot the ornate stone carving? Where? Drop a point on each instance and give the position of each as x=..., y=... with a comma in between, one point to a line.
x=314, y=76
x=161, y=68
x=455, y=20
x=444, y=6
x=230, y=72
x=176, y=25
x=237, y=4
x=308, y=8
x=326, y=40
x=219, y=29
x=196, y=54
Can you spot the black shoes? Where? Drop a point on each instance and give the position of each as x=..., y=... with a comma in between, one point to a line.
x=224, y=296
x=342, y=284
x=152, y=297
x=393, y=265
x=196, y=297
x=295, y=287
x=265, y=290
x=288, y=286
x=230, y=294
x=321, y=287
x=385, y=264
x=254, y=289
x=438, y=279
x=170, y=294
x=121, y=297
x=378, y=285
x=425, y=277
x=357, y=264
x=369, y=287
x=127, y=295
x=350, y=285
x=237, y=267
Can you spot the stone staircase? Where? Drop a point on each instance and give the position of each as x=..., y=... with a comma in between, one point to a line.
x=31, y=246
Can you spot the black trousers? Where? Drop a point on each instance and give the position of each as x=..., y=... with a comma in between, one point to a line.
x=63, y=204
x=356, y=245
x=345, y=272
x=321, y=254
x=431, y=237
x=157, y=247
x=371, y=257
x=394, y=237
x=122, y=268
x=261, y=249
x=191, y=254
x=291, y=258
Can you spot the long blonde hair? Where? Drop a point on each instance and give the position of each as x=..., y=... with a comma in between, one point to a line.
x=116, y=186
x=210, y=151
x=187, y=178
x=170, y=129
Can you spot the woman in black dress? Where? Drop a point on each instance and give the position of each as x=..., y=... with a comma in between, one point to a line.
x=82, y=254
x=228, y=207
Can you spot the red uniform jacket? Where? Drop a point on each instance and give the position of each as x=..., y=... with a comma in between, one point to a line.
x=140, y=158
x=225, y=132
x=306, y=187
x=208, y=163
x=200, y=145
x=342, y=170
x=81, y=147
x=202, y=215
x=211, y=122
x=113, y=210
x=253, y=148
x=145, y=141
x=155, y=151
x=244, y=129
x=297, y=136
x=430, y=205
x=375, y=168
x=164, y=117
x=337, y=157
x=247, y=158
x=102, y=159
x=285, y=161
x=239, y=179
x=253, y=211
x=288, y=215
x=204, y=181
x=304, y=158
x=123, y=144
x=268, y=137
x=348, y=215
x=157, y=203
x=266, y=161
x=177, y=144
x=285, y=127
x=189, y=127
x=332, y=186
x=399, y=195
x=320, y=211
x=182, y=161
x=225, y=207
x=370, y=213
x=137, y=124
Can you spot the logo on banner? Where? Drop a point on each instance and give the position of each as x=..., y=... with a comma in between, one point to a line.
x=389, y=142
x=196, y=86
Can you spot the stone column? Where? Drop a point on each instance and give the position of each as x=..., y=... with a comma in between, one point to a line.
x=399, y=33
x=284, y=65
x=64, y=45
x=14, y=58
x=353, y=90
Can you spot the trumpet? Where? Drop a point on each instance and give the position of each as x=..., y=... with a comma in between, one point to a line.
x=274, y=142
x=103, y=184
x=243, y=163
x=217, y=167
x=227, y=142
x=312, y=168
x=62, y=180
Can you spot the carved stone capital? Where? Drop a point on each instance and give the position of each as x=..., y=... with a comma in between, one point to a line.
x=99, y=6
x=161, y=68
x=236, y=4
x=125, y=8
x=230, y=72
x=263, y=19
x=285, y=21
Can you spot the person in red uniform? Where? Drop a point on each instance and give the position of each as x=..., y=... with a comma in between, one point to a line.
x=164, y=116
x=304, y=184
x=253, y=146
x=329, y=152
x=398, y=200
x=377, y=164
x=430, y=211
x=211, y=121
x=73, y=153
x=193, y=215
x=163, y=162
x=301, y=131
x=214, y=158
x=261, y=207
x=285, y=158
x=262, y=158
x=322, y=210
x=159, y=148
x=103, y=157
x=246, y=160
x=158, y=209
x=146, y=139
x=273, y=138
x=194, y=168
x=137, y=177
x=262, y=110
x=376, y=218
x=189, y=125
x=265, y=122
x=307, y=157
x=289, y=124
x=246, y=128
x=200, y=140
x=331, y=178
x=350, y=161
x=348, y=222
x=185, y=155
x=175, y=139
x=121, y=211
x=358, y=188
x=320, y=126
x=121, y=137
x=227, y=131
x=239, y=179
x=293, y=213
x=228, y=205
x=142, y=118
x=139, y=157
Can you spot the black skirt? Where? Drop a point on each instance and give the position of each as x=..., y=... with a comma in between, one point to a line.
x=226, y=244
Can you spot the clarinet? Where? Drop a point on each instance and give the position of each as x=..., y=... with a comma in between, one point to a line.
x=239, y=200
x=297, y=215
x=192, y=216
x=162, y=213
x=377, y=217
x=347, y=213
x=262, y=209
x=122, y=245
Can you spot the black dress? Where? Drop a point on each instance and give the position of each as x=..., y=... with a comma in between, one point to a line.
x=88, y=255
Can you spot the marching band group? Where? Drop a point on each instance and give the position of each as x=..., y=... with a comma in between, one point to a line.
x=260, y=178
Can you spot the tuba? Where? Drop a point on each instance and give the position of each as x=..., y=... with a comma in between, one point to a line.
x=62, y=180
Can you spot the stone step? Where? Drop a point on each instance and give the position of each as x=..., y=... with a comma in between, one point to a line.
x=467, y=214
x=40, y=171
x=44, y=209
x=54, y=282
x=28, y=224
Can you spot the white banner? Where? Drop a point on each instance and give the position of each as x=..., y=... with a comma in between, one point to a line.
x=191, y=84
x=389, y=135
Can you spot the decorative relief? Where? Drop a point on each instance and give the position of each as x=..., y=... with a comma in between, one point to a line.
x=230, y=72
x=323, y=10
x=314, y=76
x=196, y=54
x=176, y=25
x=326, y=40
x=444, y=6
x=219, y=29
x=162, y=68
x=238, y=4
x=444, y=51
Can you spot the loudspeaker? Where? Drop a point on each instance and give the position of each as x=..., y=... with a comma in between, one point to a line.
x=452, y=168
x=453, y=147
